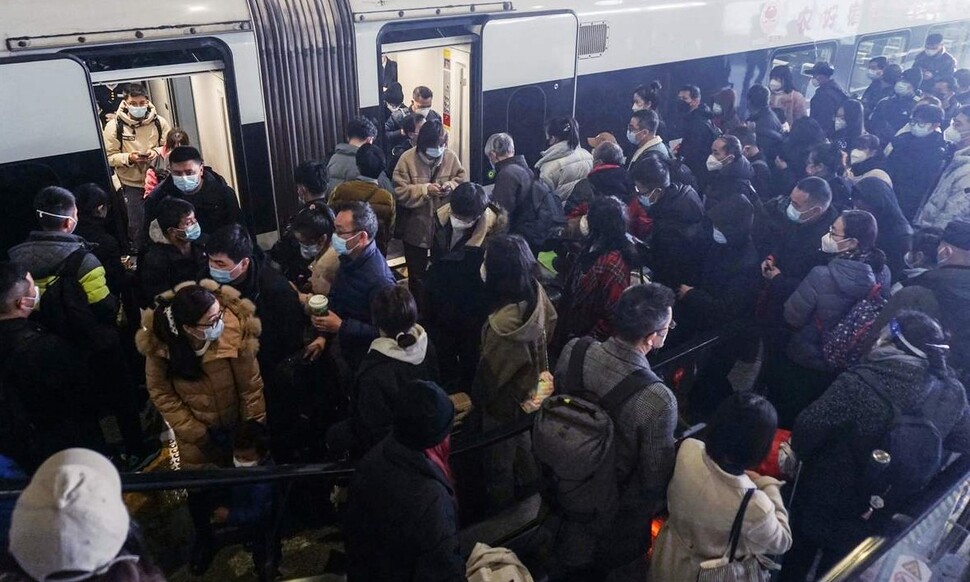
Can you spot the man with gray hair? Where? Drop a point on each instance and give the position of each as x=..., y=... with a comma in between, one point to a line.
x=513, y=178
x=608, y=178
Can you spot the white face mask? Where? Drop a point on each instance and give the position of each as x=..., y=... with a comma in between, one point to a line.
x=931, y=52
x=840, y=124
x=830, y=245
x=35, y=298
x=714, y=164
x=73, y=220
x=858, y=156
x=458, y=224
x=637, y=107
x=423, y=111
x=236, y=462
x=874, y=74
x=716, y=109
x=953, y=134
x=815, y=82
x=775, y=85
x=903, y=89
x=920, y=129
x=719, y=237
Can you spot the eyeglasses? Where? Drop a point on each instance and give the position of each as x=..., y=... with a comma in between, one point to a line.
x=667, y=328
x=833, y=233
x=219, y=317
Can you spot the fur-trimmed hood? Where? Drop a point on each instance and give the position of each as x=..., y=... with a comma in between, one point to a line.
x=242, y=327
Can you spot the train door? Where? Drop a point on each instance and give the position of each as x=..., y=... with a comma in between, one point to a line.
x=442, y=66
x=51, y=135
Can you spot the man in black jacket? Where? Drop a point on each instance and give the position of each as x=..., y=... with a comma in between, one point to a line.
x=216, y=204
x=879, y=88
x=401, y=522
x=935, y=61
x=513, y=178
x=698, y=132
x=761, y=179
x=767, y=127
x=233, y=262
x=46, y=404
x=917, y=158
x=828, y=96
x=731, y=172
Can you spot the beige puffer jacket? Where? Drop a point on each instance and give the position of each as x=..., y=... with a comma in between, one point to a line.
x=137, y=135
x=230, y=390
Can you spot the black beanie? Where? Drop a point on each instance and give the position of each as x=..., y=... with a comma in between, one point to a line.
x=424, y=415
x=394, y=94
x=957, y=233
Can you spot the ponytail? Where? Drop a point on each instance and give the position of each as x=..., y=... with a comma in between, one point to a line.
x=189, y=304
x=920, y=335
x=564, y=129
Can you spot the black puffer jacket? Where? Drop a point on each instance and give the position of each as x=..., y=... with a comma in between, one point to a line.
x=513, y=184
x=401, y=523
x=950, y=287
x=833, y=434
x=699, y=134
x=889, y=116
x=604, y=180
x=767, y=129
x=679, y=237
x=727, y=288
x=914, y=166
x=730, y=182
x=215, y=203
x=825, y=103
x=895, y=234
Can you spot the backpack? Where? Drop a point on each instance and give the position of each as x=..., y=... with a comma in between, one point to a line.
x=542, y=222
x=844, y=344
x=64, y=308
x=914, y=444
x=120, y=131
x=573, y=440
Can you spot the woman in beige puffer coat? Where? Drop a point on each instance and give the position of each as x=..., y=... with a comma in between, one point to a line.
x=200, y=348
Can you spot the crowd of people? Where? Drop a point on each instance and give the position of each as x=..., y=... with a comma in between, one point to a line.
x=828, y=241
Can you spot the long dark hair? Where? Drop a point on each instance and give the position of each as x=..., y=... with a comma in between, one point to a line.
x=862, y=226
x=564, y=129
x=186, y=308
x=511, y=272
x=608, y=224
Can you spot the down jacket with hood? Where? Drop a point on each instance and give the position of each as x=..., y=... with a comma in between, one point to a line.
x=384, y=372
x=949, y=200
x=229, y=391
x=822, y=300
x=512, y=356
x=561, y=167
x=895, y=233
x=163, y=266
x=137, y=135
x=679, y=236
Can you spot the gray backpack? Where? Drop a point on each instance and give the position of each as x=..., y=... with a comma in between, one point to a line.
x=573, y=440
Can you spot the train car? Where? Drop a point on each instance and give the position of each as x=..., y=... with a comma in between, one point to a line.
x=263, y=84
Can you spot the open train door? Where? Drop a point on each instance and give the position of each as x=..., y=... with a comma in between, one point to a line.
x=528, y=76
x=51, y=136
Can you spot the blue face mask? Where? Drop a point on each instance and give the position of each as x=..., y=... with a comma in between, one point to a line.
x=340, y=245
x=137, y=112
x=631, y=136
x=211, y=334
x=193, y=232
x=435, y=153
x=186, y=183
x=719, y=237
x=223, y=276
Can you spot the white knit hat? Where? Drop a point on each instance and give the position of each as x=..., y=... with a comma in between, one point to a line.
x=70, y=518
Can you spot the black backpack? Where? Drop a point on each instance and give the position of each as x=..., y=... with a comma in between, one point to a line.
x=64, y=308
x=573, y=438
x=914, y=444
x=18, y=436
x=542, y=218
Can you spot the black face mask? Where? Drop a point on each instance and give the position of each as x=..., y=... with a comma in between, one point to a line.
x=683, y=107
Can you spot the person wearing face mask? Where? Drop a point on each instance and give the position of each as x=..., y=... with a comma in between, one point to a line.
x=200, y=345
x=158, y=168
x=880, y=85
x=598, y=276
x=93, y=207
x=233, y=261
x=784, y=96
x=962, y=78
x=848, y=123
x=908, y=367
x=866, y=160
x=513, y=179
x=945, y=90
x=731, y=172
x=177, y=252
x=855, y=270
x=367, y=188
x=828, y=97
x=827, y=161
x=133, y=141
x=216, y=204
x=698, y=132
x=642, y=133
x=647, y=98
x=394, y=116
x=421, y=101
x=894, y=112
x=765, y=123
x=762, y=179
x=608, y=178
x=342, y=166
x=310, y=180
x=457, y=307
x=935, y=62
x=895, y=233
x=921, y=257
x=423, y=180
x=917, y=158
x=313, y=230
x=563, y=162
x=678, y=233
x=724, y=110
x=46, y=377
x=948, y=200
x=644, y=424
x=411, y=126
x=362, y=273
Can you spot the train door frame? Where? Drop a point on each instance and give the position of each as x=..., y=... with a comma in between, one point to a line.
x=130, y=53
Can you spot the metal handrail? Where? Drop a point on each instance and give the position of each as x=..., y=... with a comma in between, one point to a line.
x=874, y=548
x=208, y=478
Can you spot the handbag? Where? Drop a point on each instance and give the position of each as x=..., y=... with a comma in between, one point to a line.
x=726, y=568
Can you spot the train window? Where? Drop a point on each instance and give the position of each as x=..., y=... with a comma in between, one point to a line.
x=799, y=57
x=891, y=45
x=956, y=39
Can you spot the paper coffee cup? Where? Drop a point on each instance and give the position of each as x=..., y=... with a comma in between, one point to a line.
x=318, y=305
